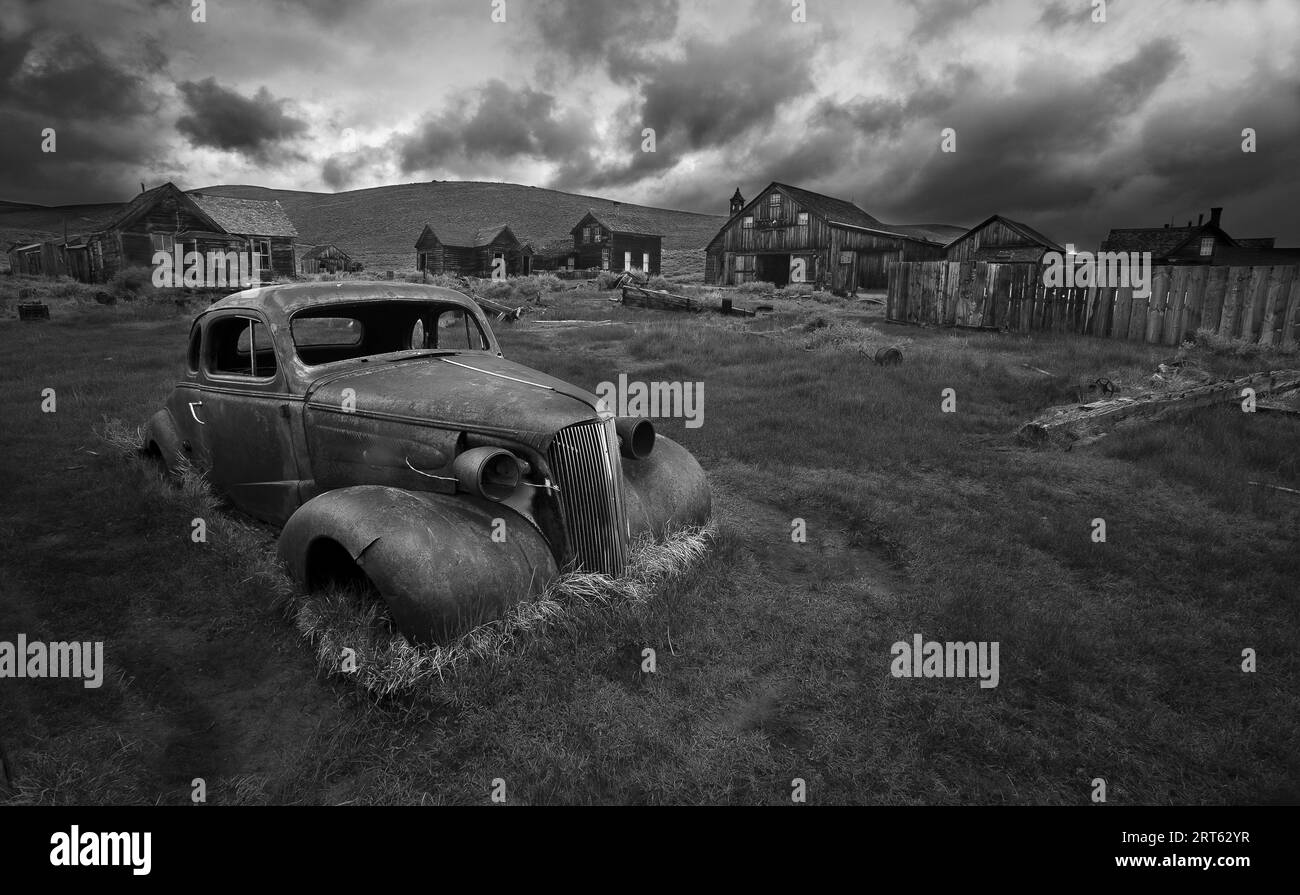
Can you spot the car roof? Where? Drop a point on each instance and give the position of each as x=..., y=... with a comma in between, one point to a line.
x=283, y=301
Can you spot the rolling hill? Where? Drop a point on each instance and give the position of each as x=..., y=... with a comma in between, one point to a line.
x=379, y=226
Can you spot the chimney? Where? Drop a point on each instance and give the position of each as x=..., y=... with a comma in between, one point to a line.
x=1214, y=216
x=1200, y=219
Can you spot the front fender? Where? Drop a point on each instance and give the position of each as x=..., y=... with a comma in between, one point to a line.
x=667, y=488
x=432, y=557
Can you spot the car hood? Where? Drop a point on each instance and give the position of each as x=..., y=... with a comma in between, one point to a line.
x=471, y=392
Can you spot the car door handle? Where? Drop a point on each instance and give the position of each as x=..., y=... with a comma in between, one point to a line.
x=194, y=404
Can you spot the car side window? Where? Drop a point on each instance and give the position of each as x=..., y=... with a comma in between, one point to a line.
x=240, y=346
x=454, y=328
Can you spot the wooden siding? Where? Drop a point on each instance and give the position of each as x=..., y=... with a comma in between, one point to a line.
x=1255, y=304
x=995, y=241
x=611, y=247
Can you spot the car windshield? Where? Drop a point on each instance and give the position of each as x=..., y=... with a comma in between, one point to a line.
x=344, y=332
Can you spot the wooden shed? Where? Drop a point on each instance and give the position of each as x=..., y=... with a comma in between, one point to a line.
x=790, y=233
x=469, y=252
x=324, y=258
x=552, y=253
x=1002, y=240
x=616, y=239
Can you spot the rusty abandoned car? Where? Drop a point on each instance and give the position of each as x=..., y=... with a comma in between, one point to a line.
x=382, y=427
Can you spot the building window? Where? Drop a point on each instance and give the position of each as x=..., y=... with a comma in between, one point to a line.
x=162, y=242
x=803, y=219
x=1207, y=246
x=262, y=249
x=774, y=200
x=747, y=222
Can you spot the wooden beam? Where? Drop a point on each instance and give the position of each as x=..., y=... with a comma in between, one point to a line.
x=1064, y=426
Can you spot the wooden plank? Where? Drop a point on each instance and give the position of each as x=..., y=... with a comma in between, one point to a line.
x=1292, y=313
x=1156, y=305
x=1137, y=319
x=1278, y=280
x=1196, y=281
x=1173, y=306
x=979, y=293
x=1216, y=290
x=951, y=293
x=966, y=294
x=1123, y=310
x=1238, y=280
x=1252, y=302
x=1105, y=310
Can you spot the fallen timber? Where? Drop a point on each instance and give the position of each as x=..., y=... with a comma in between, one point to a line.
x=1084, y=423
x=640, y=296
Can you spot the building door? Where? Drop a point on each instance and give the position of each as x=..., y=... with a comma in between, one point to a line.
x=627, y=260
x=645, y=261
x=774, y=268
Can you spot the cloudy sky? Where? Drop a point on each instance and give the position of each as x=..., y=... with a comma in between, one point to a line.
x=1071, y=125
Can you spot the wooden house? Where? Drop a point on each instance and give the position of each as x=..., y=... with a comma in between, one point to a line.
x=163, y=218
x=324, y=258
x=1002, y=240
x=1173, y=245
x=616, y=239
x=790, y=233
x=469, y=252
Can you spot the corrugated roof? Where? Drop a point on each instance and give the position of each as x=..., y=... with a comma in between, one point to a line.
x=246, y=217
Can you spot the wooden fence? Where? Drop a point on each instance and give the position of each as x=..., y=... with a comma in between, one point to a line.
x=1256, y=304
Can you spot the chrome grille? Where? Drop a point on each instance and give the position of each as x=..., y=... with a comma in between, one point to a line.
x=585, y=462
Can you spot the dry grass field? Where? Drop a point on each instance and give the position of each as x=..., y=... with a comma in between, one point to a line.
x=1119, y=660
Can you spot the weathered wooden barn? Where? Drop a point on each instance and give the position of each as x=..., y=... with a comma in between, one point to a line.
x=469, y=252
x=617, y=239
x=788, y=232
x=324, y=258
x=1003, y=240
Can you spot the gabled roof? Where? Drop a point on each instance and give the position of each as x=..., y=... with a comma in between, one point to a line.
x=846, y=214
x=146, y=199
x=314, y=252
x=1023, y=229
x=552, y=245
x=621, y=221
x=1159, y=241
x=246, y=217
x=453, y=236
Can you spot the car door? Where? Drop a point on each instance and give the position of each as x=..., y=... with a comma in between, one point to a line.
x=244, y=411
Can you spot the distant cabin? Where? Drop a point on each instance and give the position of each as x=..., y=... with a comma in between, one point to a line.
x=471, y=253
x=1002, y=240
x=792, y=234
x=555, y=253
x=325, y=258
x=615, y=239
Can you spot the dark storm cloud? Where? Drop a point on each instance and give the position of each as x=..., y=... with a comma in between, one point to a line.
x=97, y=107
x=588, y=30
x=936, y=18
x=704, y=95
x=502, y=124
x=220, y=118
